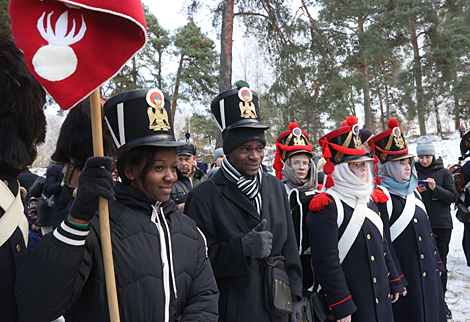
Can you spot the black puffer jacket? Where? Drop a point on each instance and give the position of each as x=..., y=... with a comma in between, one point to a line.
x=68, y=273
x=183, y=186
x=438, y=202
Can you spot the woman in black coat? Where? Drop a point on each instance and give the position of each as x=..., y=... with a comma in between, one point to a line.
x=410, y=230
x=438, y=193
x=351, y=258
x=296, y=169
x=160, y=261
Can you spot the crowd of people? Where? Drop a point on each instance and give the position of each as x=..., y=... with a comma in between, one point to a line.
x=360, y=233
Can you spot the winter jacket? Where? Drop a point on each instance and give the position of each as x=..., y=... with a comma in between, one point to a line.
x=299, y=202
x=183, y=185
x=70, y=273
x=27, y=178
x=53, y=186
x=438, y=202
x=419, y=259
x=239, y=278
x=363, y=283
x=12, y=255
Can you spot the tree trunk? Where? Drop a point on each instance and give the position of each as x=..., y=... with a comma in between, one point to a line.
x=387, y=104
x=418, y=79
x=134, y=73
x=456, y=111
x=382, y=121
x=177, y=87
x=366, y=85
x=225, y=79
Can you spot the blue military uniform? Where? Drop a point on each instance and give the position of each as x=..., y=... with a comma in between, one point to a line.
x=419, y=259
x=362, y=285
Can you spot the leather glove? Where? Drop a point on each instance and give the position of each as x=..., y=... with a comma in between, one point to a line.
x=258, y=242
x=296, y=315
x=94, y=182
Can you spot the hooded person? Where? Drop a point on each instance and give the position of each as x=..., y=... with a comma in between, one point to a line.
x=215, y=166
x=409, y=230
x=245, y=215
x=294, y=165
x=162, y=273
x=22, y=128
x=350, y=258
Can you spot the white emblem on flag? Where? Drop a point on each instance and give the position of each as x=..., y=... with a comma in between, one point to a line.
x=57, y=61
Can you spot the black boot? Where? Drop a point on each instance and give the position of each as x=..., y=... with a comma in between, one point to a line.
x=449, y=313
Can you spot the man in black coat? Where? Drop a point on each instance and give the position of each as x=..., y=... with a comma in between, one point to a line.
x=22, y=126
x=189, y=175
x=260, y=200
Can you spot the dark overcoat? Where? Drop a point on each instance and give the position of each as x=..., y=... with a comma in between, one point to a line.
x=419, y=259
x=70, y=273
x=239, y=277
x=438, y=202
x=299, y=202
x=362, y=285
x=12, y=255
x=184, y=185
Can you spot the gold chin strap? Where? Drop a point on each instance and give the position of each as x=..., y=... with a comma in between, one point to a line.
x=339, y=155
x=68, y=173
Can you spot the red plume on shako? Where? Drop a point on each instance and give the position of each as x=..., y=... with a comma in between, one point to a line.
x=289, y=143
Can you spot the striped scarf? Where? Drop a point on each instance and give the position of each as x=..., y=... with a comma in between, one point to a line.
x=249, y=185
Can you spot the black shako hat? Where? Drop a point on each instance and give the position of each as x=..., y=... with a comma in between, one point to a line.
x=140, y=117
x=342, y=145
x=390, y=145
x=291, y=142
x=237, y=108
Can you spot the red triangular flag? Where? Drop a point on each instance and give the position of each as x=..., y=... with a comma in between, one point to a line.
x=72, y=47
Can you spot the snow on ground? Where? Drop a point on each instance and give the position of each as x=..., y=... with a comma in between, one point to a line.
x=458, y=283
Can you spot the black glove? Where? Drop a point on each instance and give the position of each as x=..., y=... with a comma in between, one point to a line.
x=94, y=182
x=258, y=242
x=296, y=315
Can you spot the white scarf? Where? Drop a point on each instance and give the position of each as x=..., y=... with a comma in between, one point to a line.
x=349, y=185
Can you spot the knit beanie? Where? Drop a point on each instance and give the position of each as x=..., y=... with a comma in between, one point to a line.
x=218, y=152
x=238, y=136
x=425, y=146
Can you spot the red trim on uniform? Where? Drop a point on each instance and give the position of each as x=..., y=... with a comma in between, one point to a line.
x=340, y=301
x=19, y=173
x=439, y=262
x=396, y=279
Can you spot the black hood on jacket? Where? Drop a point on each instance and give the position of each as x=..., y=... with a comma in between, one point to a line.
x=439, y=164
x=135, y=199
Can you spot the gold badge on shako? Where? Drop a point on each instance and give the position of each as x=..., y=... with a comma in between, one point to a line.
x=399, y=142
x=298, y=139
x=158, y=116
x=247, y=108
x=357, y=138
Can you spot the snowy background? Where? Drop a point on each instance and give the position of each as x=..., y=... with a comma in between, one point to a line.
x=458, y=283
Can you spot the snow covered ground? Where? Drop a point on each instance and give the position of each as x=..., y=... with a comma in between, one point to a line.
x=458, y=284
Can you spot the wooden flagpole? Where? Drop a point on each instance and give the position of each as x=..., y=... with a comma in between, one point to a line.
x=104, y=213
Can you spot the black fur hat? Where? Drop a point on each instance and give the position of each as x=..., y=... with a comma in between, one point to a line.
x=22, y=99
x=75, y=142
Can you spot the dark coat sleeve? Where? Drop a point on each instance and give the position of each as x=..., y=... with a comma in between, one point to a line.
x=228, y=256
x=447, y=193
x=53, y=180
x=51, y=278
x=325, y=259
x=203, y=294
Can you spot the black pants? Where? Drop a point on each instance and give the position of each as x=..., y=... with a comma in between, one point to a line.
x=442, y=237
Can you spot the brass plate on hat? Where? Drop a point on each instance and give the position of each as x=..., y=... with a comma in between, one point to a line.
x=398, y=138
x=158, y=116
x=247, y=108
x=298, y=139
